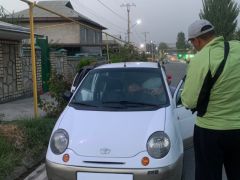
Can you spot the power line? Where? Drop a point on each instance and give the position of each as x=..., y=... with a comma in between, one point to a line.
x=138, y=35
x=112, y=10
x=137, y=39
x=4, y=10
x=72, y=20
x=93, y=13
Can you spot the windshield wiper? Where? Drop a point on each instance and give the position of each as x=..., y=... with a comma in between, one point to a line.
x=83, y=104
x=132, y=103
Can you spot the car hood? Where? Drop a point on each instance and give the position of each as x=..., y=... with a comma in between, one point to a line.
x=110, y=134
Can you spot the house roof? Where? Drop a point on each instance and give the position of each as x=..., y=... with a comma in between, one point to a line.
x=60, y=6
x=13, y=32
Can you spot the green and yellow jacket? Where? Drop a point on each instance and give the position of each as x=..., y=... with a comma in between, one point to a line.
x=223, y=110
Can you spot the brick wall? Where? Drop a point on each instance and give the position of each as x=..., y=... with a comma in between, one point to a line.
x=1, y=61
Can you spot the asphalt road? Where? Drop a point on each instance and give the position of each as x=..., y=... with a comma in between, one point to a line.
x=177, y=70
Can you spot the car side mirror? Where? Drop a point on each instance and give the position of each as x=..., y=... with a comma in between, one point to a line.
x=169, y=79
x=67, y=95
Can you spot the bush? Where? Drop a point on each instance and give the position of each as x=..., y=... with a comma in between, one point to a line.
x=57, y=87
x=85, y=62
x=37, y=133
x=23, y=143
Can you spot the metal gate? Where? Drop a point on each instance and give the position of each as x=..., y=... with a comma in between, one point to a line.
x=43, y=44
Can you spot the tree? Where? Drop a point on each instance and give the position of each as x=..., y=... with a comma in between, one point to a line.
x=127, y=53
x=181, y=42
x=163, y=46
x=236, y=35
x=222, y=14
x=2, y=13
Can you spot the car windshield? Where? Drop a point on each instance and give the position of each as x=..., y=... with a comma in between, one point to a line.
x=121, y=88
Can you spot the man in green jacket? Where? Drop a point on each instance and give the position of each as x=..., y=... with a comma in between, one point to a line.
x=217, y=129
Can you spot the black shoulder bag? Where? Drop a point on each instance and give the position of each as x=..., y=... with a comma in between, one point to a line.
x=208, y=83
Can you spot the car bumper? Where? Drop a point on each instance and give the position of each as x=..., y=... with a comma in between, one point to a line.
x=63, y=172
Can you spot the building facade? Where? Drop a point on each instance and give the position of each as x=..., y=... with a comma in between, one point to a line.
x=82, y=36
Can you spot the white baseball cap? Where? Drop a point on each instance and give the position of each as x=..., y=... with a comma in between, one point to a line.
x=198, y=28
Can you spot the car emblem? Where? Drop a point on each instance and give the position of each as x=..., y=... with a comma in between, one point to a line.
x=105, y=151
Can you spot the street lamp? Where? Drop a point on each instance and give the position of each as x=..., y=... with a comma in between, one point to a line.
x=141, y=45
x=138, y=21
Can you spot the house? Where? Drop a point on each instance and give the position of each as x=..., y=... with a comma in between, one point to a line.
x=15, y=69
x=113, y=44
x=61, y=32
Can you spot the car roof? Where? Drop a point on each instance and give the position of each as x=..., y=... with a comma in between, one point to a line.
x=130, y=64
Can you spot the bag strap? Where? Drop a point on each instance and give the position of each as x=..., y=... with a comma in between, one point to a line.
x=209, y=81
x=221, y=66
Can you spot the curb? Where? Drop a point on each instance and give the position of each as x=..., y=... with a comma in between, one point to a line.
x=38, y=174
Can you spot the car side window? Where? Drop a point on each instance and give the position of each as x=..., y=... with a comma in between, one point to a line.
x=178, y=97
x=86, y=93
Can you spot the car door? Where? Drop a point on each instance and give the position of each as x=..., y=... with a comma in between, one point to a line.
x=79, y=77
x=185, y=117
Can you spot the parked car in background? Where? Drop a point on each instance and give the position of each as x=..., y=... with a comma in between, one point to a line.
x=82, y=73
x=122, y=123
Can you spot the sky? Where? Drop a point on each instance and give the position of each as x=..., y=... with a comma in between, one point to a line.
x=161, y=19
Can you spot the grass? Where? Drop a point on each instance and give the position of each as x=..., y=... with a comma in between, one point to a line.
x=23, y=139
x=9, y=157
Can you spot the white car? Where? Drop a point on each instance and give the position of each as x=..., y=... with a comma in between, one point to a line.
x=122, y=123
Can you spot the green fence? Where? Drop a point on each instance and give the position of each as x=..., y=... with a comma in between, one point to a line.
x=43, y=44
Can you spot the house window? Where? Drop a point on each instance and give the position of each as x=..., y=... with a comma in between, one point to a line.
x=83, y=35
x=90, y=36
x=98, y=38
x=94, y=37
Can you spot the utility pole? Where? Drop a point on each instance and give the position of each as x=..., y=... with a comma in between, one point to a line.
x=153, y=50
x=128, y=11
x=34, y=73
x=145, y=39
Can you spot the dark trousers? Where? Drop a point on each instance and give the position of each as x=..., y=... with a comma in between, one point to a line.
x=213, y=149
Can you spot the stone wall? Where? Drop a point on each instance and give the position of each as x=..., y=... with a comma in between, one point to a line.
x=15, y=71
x=10, y=74
x=27, y=69
x=64, y=65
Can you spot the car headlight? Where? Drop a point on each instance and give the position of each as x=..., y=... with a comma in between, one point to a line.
x=158, y=145
x=59, y=141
